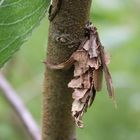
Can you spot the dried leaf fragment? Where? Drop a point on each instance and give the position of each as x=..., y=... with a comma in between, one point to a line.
x=75, y=83
x=93, y=47
x=98, y=76
x=107, y=74
x=80, y=57
x=79, y=93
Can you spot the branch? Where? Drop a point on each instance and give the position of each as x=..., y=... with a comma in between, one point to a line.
x=23, y=114
x=66, y=31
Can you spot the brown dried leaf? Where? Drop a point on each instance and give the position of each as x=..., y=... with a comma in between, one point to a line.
x=75, y=83
x=78, y=114
x=80, y=57
x=89, y=97
x=79, y=70
x=76, y=107
x=92, y=94
x=94, y=63
x=93, y=47
x=79, y=122
x=86, y=46
x=79, y=93
x=82, y=81
x=97, y=77
x=107, y=74
x=79, y=107
x=84, y=99
x=87, y=80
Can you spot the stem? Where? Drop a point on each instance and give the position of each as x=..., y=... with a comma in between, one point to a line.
x=66, y=31
x=21, y=111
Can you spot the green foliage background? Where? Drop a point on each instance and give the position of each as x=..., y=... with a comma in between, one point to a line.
x=118, y=23
x=17, y=20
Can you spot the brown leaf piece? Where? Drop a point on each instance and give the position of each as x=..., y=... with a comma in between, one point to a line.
x=75, y=83
x=93, y=52
x=98, y=76
x=107, y=74
x=80, y=57
x=90, y=61
x=79, y=93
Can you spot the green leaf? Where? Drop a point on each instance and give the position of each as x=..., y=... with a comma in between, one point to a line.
x=17, y=20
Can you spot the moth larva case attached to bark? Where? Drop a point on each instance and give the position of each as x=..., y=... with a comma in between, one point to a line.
x=90, y=62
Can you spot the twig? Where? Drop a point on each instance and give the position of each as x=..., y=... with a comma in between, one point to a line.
x=24, y=115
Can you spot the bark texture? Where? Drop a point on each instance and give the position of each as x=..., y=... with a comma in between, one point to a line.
x=66, y=31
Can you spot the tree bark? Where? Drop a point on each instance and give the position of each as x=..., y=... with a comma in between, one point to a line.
x=66, y=31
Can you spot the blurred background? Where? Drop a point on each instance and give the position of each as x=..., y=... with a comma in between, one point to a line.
x=118, y=23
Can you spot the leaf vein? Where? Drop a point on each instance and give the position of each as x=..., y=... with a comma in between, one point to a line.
x=22, y=19
x=30, y=29
x=10, y=4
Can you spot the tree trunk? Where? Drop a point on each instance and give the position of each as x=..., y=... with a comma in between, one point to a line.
x=66, y=31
